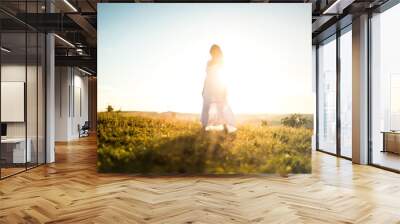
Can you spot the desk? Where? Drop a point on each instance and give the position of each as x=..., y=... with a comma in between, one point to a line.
x=13, y=150
x=391, y=141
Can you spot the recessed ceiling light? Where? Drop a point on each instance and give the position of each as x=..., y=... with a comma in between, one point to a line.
x=84, y=71
x=65, y=41
x=5, y=50
x=70, y=5
x=338, y=6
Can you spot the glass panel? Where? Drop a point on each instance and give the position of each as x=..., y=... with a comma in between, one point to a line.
x=41, y=98
x=385, y=83
x=394, y=102
x=13, y=76
x=23, y=89
x=346, y=94
x=327, y=97
x=31, y=86
x=31, y=98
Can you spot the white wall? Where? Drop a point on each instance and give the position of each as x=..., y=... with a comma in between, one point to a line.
x=80, y=109
x=34, y=125
x=71, y=102
x=12, y=73
x=62, y=82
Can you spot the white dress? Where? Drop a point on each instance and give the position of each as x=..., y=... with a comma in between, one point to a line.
x=216, y=111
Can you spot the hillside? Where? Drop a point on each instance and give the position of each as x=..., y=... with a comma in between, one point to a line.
x=157, y=144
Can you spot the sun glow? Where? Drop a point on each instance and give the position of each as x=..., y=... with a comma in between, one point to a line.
x=161, y=64
x=254, y=84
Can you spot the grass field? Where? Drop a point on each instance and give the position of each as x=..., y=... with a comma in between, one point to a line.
x=152, y=144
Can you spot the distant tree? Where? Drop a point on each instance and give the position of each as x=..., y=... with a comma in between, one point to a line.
x=264, y=123
x=296, y=121
x=110, y=108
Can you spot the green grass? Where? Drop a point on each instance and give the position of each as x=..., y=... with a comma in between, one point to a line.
x=153, y=145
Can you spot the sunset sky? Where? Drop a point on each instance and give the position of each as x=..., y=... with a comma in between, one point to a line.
x=152, y=57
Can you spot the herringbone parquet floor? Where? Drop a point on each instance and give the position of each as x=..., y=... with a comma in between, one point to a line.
x=71, y=191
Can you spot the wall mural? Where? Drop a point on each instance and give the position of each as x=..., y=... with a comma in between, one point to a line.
x=204, y=88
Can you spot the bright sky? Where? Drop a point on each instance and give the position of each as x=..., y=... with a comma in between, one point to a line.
x=152, y=57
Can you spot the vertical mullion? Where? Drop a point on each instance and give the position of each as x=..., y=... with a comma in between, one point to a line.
x=37, y=89
x=0, y=95
x=26, y=85
x=73, y=92
x=46, y=35
x=69, y=92
x=317, y=96
x=60, y=88
x=369, y=89
x=45, y=94
x=338, y=81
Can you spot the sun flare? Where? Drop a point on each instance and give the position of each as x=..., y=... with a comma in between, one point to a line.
x=262, y=75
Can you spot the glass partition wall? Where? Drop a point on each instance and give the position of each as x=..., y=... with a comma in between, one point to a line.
x=334, y=105
x=346, y=95
x=22, y=89
x=327, y=95
x=13, y=83
x=334, y=60
x=385, y=89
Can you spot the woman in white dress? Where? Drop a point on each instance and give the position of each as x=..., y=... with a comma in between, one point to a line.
x=216, y=114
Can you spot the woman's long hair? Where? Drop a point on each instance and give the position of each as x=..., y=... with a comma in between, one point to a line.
x=216, y=54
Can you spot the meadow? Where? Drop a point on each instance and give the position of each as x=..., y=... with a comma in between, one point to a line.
x=145, y=143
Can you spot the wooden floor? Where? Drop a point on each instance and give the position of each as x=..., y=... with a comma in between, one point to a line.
x=71, y=191
x=5, y=172
x=386, y=159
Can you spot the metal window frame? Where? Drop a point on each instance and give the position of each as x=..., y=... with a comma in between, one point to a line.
x=0, y=93
x=334, y=37
x=44, y=75
x=381, y=9
x=387, y=5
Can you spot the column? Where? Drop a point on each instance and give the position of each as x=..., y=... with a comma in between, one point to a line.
x=360, y=90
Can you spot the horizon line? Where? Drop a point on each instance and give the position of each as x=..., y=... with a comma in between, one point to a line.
x=261, y=113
